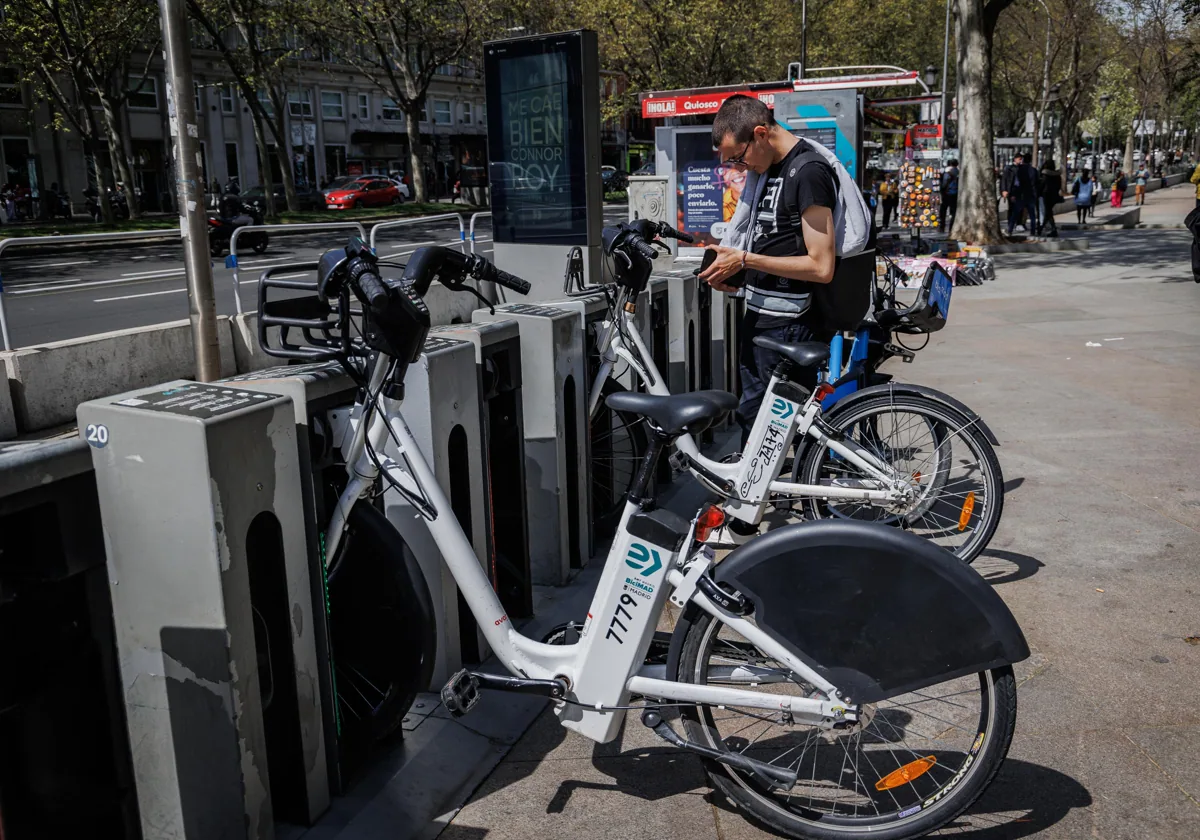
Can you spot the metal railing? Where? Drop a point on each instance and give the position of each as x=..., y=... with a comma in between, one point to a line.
x=231, y=261
x=471, y=231
x=442, y=217
x=71, y=239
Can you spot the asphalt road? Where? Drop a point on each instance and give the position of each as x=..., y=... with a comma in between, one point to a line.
x=82, y=292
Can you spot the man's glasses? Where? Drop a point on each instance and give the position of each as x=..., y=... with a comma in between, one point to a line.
x=739, y=161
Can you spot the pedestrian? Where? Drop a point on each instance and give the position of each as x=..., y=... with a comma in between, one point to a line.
x=1083, y=188
x=1119, y=185
x=1019, y=186
x=1195, y=179
x=1052, y=191
x=784, y=253
x=889, y=192
x=1139, y=185
x=949, y=196
x=1095, y=199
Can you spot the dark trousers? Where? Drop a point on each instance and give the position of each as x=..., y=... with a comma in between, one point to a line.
x=756, y=364
x=889, y=207
x=1081, y=211
x=1016, y=207
x=949, y=212
x=1048, y=203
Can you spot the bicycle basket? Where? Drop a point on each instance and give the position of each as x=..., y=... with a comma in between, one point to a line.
x=301, y=326
x=929, y=310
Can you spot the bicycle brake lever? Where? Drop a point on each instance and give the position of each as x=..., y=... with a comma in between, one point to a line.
x=462, y=287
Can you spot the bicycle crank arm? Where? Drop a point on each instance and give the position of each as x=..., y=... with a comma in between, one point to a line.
x=461, y=692
x=777, y=777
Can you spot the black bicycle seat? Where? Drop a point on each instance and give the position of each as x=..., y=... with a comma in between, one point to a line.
x=674, y=415
x=803, y=353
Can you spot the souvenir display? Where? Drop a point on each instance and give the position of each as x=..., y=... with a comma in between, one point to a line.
x=920, y=194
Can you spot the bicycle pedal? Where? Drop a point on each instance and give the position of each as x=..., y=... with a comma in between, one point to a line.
x=460, y=693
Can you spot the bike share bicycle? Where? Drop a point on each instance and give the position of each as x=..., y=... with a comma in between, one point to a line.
x=840, y=679
x=900, y=454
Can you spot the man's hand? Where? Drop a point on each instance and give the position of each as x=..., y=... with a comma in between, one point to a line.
x=727, y=264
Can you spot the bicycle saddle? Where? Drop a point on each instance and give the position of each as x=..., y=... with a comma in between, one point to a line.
x=803, y=353
x=674, y=415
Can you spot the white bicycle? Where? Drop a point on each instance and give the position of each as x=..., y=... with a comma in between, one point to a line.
x=840, y=679
x=899, y=454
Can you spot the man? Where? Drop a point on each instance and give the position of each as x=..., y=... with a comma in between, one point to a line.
x=1051, y=189
x=789, y=243
x=949, y=196
x=889, y=193
x=1019, y=186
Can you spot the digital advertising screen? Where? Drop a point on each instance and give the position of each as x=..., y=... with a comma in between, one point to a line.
x=537, y=168
x=706, y=193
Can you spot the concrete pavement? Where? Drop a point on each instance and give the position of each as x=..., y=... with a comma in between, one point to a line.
x=1086, y=367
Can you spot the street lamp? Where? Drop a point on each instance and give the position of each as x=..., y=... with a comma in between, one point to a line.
x=931, y=76
x=1104, y=100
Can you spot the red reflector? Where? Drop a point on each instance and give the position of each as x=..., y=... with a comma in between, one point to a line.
x=712, y=517
x=824, y=390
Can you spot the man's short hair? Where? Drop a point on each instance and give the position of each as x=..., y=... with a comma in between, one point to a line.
x=738, y=117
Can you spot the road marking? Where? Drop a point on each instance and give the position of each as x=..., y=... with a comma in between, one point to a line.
x=69, y=285
x=414, y=244
x=65, y=264
x=291, y=276
x=142, y=295
x=150, y=275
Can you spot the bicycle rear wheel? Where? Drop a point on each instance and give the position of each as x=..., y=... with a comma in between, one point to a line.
x=913, y=762
x=954, y=472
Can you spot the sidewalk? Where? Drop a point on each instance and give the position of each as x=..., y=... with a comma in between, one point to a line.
x=1163, y=207
x=1085, y=368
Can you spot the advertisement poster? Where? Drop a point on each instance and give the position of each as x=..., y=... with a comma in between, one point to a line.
x=536, y=159
x=706, y=192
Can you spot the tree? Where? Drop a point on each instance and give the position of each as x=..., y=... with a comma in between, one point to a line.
x=78, y=54
x=399, y=45
x=975, y=26
x=253, y=39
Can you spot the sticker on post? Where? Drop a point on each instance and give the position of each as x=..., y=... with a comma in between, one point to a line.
x=96, y=435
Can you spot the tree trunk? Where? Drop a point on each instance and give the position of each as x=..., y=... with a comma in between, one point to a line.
x=103, y=182
x=120, y=158
x=283, y=148
x=1127, y=164
x=264, y=166
x=412, y=127
x=977, y=219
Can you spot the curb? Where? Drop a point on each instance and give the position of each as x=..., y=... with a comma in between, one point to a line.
x=1048, y=246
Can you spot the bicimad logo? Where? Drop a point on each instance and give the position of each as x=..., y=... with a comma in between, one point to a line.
x=645, y=559
x=782, y=408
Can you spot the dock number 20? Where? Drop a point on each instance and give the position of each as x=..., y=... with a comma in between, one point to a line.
x=96, y=435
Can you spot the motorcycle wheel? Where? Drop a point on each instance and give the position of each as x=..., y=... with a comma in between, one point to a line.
x=215, y=248
x=260, y=243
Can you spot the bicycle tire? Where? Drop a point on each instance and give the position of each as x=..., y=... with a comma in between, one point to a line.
x=618, y=442
x=381, y=627
x=808, y=467
x=996, y=723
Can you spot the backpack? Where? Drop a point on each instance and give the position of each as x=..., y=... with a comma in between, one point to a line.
x=844, y=301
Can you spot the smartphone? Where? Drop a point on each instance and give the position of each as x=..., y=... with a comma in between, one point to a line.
x=710, y=256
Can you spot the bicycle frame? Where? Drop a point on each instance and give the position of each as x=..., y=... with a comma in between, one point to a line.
x=606, y=665
x=784, y=413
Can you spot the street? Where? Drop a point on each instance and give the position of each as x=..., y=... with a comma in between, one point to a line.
x=82, y=292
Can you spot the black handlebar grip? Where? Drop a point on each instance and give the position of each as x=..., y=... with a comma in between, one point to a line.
x=373, y=290
x=509, y=281
x=642, y=248
x=665, y=229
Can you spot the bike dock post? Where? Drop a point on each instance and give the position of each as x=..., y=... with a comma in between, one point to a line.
x=70, y=239
x=231, y=261
x=471, y=231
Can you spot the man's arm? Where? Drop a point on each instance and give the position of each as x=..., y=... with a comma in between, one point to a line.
x=818, y=264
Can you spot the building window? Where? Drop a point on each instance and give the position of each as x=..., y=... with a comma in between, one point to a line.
x=466, y=113
x=442, y=112
x=424, y=112
x=364, y=106
x=199, y=107
x=300, y=103
x=391, y=111
x=228, y=102
x=332, y=105
x=264, y=99
x=233, y=168
x=143, y=93
x=10, y=87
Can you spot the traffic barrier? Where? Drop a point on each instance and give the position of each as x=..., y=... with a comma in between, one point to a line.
x=553, y=396
x=462, y=231
x=71, y=239
x=231, y=261
x=471, y=231
x=217, y=655
x=50, y=380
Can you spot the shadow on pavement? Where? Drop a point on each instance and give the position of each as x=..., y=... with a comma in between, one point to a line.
x=997, y=566
x=674, y=773
x=1012, y=484
x=1146, y=250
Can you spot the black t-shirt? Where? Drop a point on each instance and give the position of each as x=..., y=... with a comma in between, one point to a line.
x=792, y=187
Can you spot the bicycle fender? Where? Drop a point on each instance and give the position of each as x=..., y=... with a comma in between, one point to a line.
x=877, y=611
x=919, y=390
x=371, y=524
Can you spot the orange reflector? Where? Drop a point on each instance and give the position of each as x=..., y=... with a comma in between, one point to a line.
x=968, y=508
x=917, y=476
x=712, y=517
x=905, y=774
x=824, y=390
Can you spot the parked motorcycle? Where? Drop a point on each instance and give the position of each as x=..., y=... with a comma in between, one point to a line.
x=116, y=199
x=233, y=215
x=57, y=203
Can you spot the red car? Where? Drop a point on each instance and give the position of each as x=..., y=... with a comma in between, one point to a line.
x=365, y=192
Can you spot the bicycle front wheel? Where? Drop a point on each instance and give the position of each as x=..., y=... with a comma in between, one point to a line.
x=958, y=488
x=911, y=764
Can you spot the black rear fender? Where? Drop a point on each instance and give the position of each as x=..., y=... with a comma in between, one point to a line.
x=876, y=611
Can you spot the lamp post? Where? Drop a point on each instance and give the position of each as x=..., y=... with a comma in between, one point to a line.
x=945, y=74
x=1104, y=100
